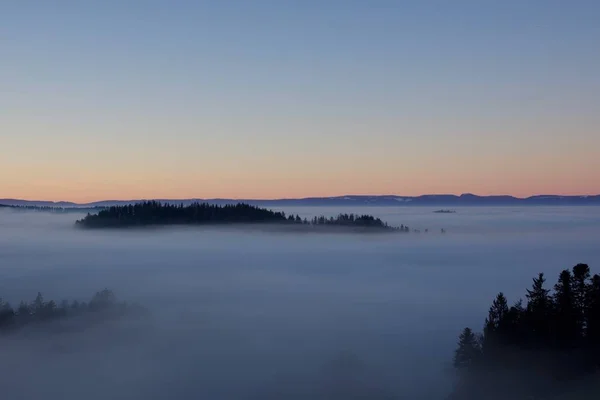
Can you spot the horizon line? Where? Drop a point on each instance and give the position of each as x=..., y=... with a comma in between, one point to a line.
x=295, y=198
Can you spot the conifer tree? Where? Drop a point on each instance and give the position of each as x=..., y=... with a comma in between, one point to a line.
x=566, y=324
x=539, y=308
x=468, y=350
x=495, y=326
x=581, y=276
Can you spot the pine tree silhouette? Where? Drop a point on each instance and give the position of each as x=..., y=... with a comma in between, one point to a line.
x=468, y=350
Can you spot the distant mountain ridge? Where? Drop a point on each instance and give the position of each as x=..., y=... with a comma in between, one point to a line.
x=350, y=200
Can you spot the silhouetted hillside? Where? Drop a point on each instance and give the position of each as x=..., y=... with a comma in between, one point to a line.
x=156, y=213
x=433, y=200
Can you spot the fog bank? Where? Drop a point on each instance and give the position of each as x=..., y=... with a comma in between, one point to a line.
x=252, y=314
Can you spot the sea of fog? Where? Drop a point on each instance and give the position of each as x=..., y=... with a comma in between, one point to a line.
x=253, y=314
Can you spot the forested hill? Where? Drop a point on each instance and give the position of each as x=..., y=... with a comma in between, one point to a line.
x=156, y=213
x=537, y=349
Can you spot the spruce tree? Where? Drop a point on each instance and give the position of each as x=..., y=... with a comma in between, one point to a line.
x=581, y=276
x=38, y=303
x=566, y=322
x=468, y=350
x=514, y=323
x=494, y=331
x=539, y=307
x=497, y=313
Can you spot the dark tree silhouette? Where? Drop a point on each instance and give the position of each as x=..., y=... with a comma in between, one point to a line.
x=513, y=324
x=494, y=327
x=581, y=276
x=567, y=325
x=468, y=351
x=156, y=213
x=496, y=314
x=6, y=314
x=539, y=348
x=38, y=304
x=103, y=305
x=593, y=320
x=539, y=307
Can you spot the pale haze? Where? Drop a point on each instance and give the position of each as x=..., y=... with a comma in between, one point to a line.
x=265, y=99
x=245, y=314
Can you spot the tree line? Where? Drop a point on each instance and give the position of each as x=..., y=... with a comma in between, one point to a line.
x=537, y=346
x=103, y=303
x=157, y=213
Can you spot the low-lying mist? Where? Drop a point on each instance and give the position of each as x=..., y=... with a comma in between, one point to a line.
x=253, y=314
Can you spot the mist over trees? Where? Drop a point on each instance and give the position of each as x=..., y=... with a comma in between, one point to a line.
x=102, y=305
x=537, y=347
x=156, y=213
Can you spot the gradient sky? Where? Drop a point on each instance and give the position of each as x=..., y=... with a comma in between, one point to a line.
x=261, y=99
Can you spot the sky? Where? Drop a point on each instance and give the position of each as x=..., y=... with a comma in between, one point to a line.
x=272, y=99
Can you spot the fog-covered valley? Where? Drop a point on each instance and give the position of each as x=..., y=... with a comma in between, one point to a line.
x=253, y=314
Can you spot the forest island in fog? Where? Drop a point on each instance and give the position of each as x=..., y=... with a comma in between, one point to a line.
x=154, y=213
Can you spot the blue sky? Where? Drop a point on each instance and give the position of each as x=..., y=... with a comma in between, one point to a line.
x=298, y=98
